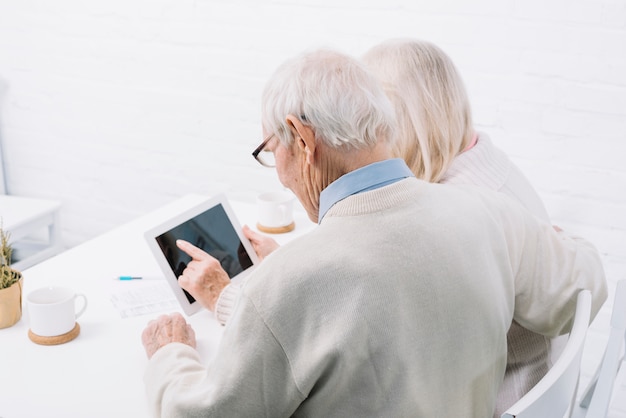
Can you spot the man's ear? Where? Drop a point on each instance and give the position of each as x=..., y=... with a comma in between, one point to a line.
x=304, y=137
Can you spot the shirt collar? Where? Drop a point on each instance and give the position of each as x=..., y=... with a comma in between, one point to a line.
x=366, y=178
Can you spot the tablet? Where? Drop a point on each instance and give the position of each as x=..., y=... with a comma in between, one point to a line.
x=211, y=226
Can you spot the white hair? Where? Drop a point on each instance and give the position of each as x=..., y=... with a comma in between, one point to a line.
x=431, y=104
x=332, y=93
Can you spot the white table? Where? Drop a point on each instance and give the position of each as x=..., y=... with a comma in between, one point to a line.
x=99, y=374
x=26, y=219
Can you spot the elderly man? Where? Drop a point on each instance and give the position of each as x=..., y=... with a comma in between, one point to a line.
x=397, y=304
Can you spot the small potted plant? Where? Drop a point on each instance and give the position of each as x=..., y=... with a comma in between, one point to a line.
x=10, y=285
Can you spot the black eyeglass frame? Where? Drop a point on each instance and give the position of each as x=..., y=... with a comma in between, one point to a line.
x=259, y=149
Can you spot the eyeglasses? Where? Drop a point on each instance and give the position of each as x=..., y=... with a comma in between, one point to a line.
x=263, y=156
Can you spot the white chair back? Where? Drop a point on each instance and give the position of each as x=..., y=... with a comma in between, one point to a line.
x=597, y=396
x=553, y=396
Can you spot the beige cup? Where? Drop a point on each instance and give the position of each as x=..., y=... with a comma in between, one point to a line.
x=275, y=212
x=52, y=310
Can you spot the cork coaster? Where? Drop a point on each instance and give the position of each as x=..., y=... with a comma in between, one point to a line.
x=276, y=229
x=56, y=339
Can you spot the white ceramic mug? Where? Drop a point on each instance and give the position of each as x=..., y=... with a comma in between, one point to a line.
x=52, y=310
x=275, y=209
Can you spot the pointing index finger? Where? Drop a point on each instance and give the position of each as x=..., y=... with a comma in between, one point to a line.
x=191, y=250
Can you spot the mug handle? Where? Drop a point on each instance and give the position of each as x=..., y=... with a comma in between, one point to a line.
x=84, y=298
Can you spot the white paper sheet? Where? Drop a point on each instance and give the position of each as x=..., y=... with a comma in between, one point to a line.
x=144, y=298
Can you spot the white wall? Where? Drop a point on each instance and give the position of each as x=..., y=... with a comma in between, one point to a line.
x=117, y=107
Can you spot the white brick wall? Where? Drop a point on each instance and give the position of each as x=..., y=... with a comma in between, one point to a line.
x=118, y=107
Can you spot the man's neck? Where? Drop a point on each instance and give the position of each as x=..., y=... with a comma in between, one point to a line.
x=354, y=159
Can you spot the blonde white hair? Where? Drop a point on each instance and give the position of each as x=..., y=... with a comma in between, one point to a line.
x=431, y=103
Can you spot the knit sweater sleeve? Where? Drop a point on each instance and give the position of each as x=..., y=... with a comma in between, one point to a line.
x=248, y=358
x=226, y=302
x=565, y=264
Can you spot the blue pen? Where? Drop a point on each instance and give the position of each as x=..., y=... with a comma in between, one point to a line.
x=130, y=278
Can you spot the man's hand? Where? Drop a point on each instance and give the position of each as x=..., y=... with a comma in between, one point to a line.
x=165, y=330
x=204, y=278
x=262, y=245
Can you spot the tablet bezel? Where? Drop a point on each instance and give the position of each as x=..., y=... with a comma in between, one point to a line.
x=153, y=233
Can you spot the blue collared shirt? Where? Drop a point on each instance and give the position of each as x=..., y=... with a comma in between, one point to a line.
x=366, y=178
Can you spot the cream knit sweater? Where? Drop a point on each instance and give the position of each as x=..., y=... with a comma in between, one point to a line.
x=395, y=305
x=529, y=353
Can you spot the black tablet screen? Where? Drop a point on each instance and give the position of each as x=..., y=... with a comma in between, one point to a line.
x=212, y=232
